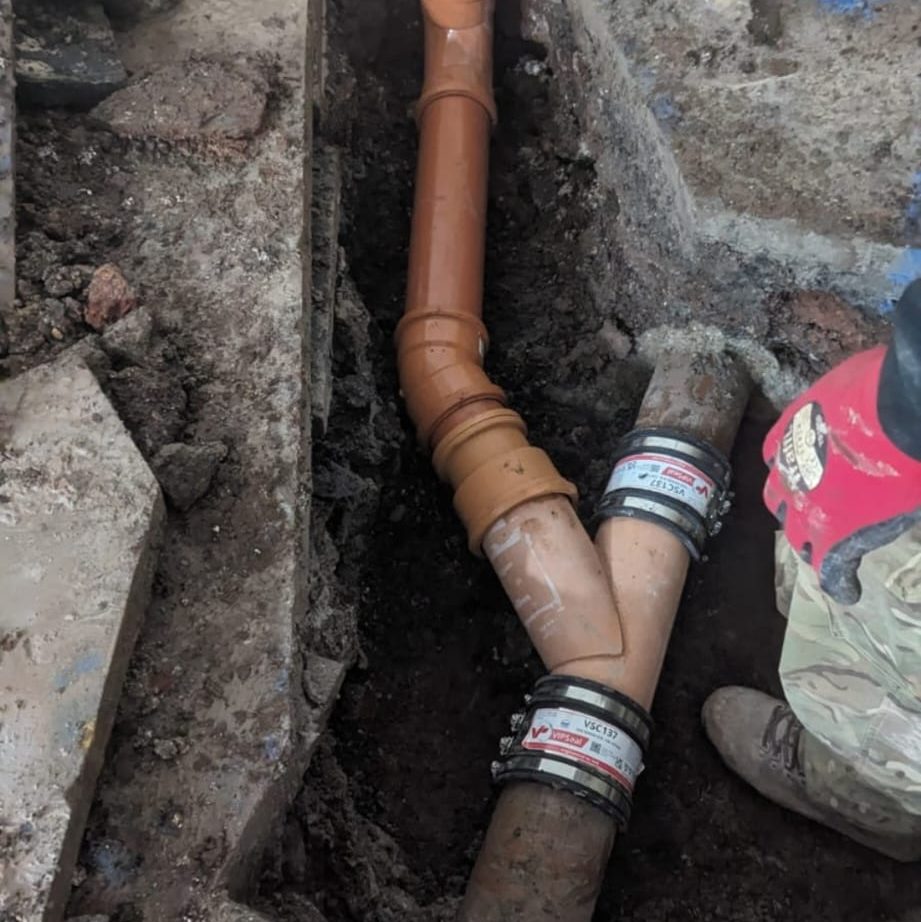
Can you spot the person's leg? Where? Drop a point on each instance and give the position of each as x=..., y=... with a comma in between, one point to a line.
x=832, y=782
x=786, y=566
x=843, y=751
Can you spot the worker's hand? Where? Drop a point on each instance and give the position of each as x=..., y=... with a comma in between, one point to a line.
x=845, y=456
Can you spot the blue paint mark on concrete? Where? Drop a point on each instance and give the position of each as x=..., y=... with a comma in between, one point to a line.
x=113, y=861
x=665, y=110
x=866, y=8
x=913, y=209
x=83, y=665
x=281, y=680
x=271, y=746
x=905, y=269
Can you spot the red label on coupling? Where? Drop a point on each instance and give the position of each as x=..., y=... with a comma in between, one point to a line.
x=586, y=740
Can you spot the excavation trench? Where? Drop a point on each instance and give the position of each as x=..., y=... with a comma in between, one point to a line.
x=398, y=797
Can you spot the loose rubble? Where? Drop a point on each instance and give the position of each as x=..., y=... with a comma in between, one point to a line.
x=188, y=101
x=108, y=298
x=185, y=471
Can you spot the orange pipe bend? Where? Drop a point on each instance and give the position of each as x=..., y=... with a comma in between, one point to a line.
x=507, y=492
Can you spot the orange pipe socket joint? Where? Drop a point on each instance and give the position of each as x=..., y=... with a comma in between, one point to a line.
x=479, y=446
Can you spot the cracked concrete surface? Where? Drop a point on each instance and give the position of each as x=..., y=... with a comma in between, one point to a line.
x=80, y=520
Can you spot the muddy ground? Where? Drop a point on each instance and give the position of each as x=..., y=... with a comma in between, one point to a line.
x=398, y=797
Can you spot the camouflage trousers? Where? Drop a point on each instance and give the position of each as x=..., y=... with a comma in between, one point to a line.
x=852, y=675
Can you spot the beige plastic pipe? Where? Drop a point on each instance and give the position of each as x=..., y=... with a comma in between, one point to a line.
x=502, y=484
x=545, y=853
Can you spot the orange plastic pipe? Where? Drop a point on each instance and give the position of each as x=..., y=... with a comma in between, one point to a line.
x=510, y=497
x=545, y=853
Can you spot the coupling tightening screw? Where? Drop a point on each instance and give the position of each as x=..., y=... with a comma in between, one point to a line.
x=515, y=722
x=494, y=768
x=505, y=745
x=527, y=699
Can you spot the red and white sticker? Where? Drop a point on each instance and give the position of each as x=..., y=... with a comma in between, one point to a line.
x=586, y=740
x=665, y=475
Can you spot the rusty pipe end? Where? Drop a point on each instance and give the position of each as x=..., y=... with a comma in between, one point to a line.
x=701, y=394
x=493, y=469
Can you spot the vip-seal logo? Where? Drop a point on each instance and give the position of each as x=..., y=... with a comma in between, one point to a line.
x=804, y=449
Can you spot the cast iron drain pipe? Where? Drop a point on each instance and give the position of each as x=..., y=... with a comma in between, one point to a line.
x=554, y=827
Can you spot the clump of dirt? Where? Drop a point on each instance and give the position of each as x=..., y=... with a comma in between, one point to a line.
x=71, y=215
x=395, y=805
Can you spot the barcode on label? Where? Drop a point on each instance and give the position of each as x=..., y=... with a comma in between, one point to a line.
x=595, y=747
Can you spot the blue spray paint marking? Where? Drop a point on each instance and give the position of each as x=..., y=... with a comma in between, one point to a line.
x=866, y=8
x=113, y=861
x=81, y=666
x=905, y=269
x=913, y=210
x=665, y=111
x=271, y=747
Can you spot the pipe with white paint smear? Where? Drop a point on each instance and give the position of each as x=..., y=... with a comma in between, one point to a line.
x=551, y=835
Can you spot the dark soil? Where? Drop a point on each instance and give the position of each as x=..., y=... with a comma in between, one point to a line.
x=397, y=800
x=398, y=797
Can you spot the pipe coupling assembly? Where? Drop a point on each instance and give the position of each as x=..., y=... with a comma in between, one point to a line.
x=578, y=736
x=672, y=479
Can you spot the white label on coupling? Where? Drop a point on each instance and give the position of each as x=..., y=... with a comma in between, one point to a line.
x=665, y=475
x=586, y=740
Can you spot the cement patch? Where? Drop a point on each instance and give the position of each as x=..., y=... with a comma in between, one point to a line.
x=80, y=517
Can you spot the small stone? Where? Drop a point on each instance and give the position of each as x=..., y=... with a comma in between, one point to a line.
x=61, y=280
x=128, y=341
x=26, y=290
x=617, y=342
x=166, y=749
x=185, y=471
x=109, y=297
x=188, y=101
x=56, y=324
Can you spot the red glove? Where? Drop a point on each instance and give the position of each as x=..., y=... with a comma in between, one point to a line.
x=845, y=456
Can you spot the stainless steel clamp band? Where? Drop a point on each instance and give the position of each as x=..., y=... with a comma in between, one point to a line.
x=581, y=737
x=664, y=476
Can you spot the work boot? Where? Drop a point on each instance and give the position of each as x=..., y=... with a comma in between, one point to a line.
x=762, y=741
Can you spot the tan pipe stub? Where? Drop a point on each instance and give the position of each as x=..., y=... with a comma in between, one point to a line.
x=458, y=53
x=493, y=469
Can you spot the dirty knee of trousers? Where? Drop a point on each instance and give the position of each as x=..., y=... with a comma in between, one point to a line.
x=834, y=782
